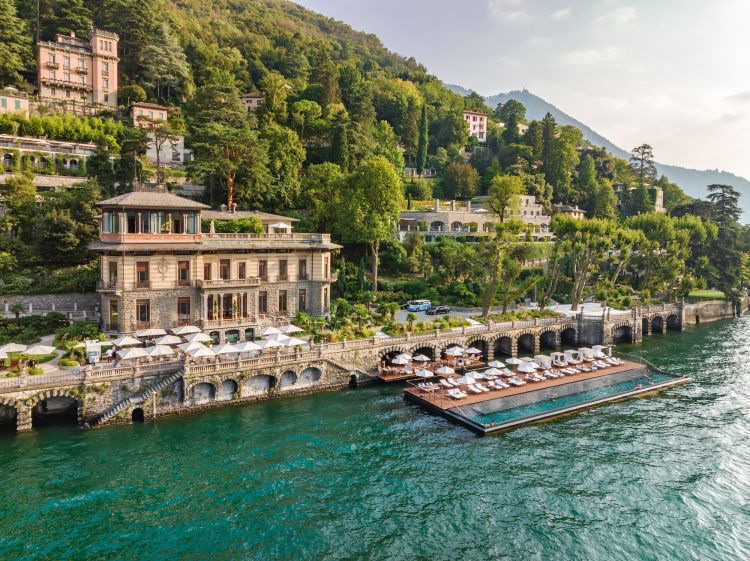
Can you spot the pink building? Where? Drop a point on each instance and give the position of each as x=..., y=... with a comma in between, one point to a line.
x=78, y=75
x=14, y=101
x=150, y=111
x=477, y=123
x=252, y=100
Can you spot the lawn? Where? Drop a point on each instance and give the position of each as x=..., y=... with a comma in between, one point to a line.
x=707, y=294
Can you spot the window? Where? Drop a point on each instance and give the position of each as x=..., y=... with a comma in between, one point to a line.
x=114, y=314
x=326, y=268
x=67, y=94
x=183, y=309
x=52, y=75
x=262, y=302
x=3, y=103
x=207, y=271
x=83, y=96
x=82, y=79
x=225, y=269
x=263, y=269
x=80, y=63
x=66, y=62
x=18, y=104
x=66, y=76
x=142, y=311
x=283, y=272
x=52, y=58
x=113, y=272
x=52, y=91
x=106, y=98
x=283, y=301
x=302, y=300
x=241, y=270
x=183, y=273
x=302, y=269
x=150, y=114
x=325, y=298
x=141, y=274
x=105, y=67
x=105, y=83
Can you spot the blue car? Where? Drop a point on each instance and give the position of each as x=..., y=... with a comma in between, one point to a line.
x=420, y=305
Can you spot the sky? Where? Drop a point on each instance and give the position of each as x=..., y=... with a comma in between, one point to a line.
x=672, y=73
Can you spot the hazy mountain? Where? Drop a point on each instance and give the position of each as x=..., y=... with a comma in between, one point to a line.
x=693, y=181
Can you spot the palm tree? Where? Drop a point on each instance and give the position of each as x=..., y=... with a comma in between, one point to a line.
x=410, y=319
x=361, y=314
x=17, y=309
x=393, y=309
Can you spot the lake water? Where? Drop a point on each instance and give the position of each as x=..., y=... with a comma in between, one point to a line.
x=360, y=474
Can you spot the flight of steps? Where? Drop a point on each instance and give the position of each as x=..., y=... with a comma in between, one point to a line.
x=137, y=399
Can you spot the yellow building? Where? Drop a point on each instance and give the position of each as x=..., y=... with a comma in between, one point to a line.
x=159, y=271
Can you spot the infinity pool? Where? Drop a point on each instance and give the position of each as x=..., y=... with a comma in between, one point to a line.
x=561, y=402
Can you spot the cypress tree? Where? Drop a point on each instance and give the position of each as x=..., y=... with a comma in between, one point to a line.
x=15, y=51
x=423, y=141
x=340, y=147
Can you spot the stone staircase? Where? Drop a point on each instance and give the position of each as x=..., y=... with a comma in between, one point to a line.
x=132, y=400
x=350, y=369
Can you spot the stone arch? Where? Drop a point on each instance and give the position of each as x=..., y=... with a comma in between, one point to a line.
x=137, y=415
x=8, y=414
x=250, y=334
x=622, y=333
x=215, y=337
x=386, y=355
x=548, y=340
x=259, y=384
x=288, y=378
x=227, y=390
x=54, y=406
x=674, y=322
x=73, y=164
x=309, y=376
x=483, y=346
x=203, y=392
x=503, y=346
x=437, y=226
x=645, y=326
x=657, y=324
x=427, y=350
x=488, y=227
x=232, y=336
x=569, y=336
x=456, y=226
x=525, y=343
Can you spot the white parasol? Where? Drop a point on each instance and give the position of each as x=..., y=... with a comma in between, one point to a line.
x=493, y=372
x=168, y=340
x=126, y=341
x=421, y=358
x=496, y=364
x=291, y=329
x=153, y=332
x=13, y=348
x=39, y=350
x=400, y=361
x=198, y=338
x=269, y=331
x=247, y=346
x=185, y=330
x=225, y=349
x=473, y=351
x=201, y=352
x=455, y=351
x=131, y=353
x=422, y=373
x=159, y=350
x=445, y=370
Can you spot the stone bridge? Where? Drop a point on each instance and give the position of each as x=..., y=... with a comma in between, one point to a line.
x=147, y=391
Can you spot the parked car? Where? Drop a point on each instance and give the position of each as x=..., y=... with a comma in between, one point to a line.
x=438, y=310
x=419, y=305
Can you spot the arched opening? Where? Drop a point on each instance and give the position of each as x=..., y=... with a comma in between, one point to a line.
x=309, y=376
x=673, y=322
x=389, y=356
x=480, y=344
x=569, y=337
x=227, y=390
x=437, y=226
x=429, y=352
x=353, y=381
x=622, y=334
x=249, y=334
x=287, y=379
x=548, y=340
x=8, y=161
x=203, y=393
x=73, y=164
x=526, y=344
x=232, y=336
x=259, y=385
x=8, y=417
x=58, y=410
x=457, y=226
x=657, y=324
x=137, y=416
x=488, y=226
x=503, y=347
x=215, y=339
x=645, y=325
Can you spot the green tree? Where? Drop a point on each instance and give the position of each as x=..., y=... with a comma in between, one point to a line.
x=320, y=186
x=725, y=199
x=369, y=207
x=639, y=200
x=132, y=93
x=15, y=47
x=167, y=71
x=423, y=142
x=275, y=92
x=160, y=134
x=605, y=202
x=587, y=185
x=460, y=181
x=495, y=252
x=305, y=111
x=504, y=196
x=642, y=164
x=511, y=109
x=285, y=157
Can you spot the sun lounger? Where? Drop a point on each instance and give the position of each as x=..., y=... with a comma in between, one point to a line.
x=501, y=385
x=482, y=387
x=446, y=384
x=456, y=394
x=516, y=382
x=474, y=389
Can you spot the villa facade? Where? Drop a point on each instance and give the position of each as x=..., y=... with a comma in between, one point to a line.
x=470, y=221
x=78, y=75
x=172, y=154
x=158, y=270
x=477, y=124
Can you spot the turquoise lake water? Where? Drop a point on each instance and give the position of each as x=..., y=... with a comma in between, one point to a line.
x=563, y=401
x=361, y=475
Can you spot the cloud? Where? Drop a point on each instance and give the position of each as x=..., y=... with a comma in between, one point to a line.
x=590, y=57
x=509, y=10
x=562, y=13
x=539, y=42
x=618, y=17
x=741, y=97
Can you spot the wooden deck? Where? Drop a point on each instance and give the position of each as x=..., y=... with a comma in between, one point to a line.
x=392, y=374
x=441, y=400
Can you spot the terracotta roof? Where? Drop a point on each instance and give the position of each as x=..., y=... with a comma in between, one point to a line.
x=152, y=199
x=217, y=245
x=226, y=215
x=151, y=106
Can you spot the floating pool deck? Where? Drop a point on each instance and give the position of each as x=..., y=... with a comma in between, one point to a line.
x=439, y=402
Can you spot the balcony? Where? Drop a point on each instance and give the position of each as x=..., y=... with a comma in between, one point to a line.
x=52, y=64
x=286, y=236
x=145, y=284
x=303, y=277
x=226, y=283
x=66, y=84
x=107, y=286
x=282, y=278
x=82, y=69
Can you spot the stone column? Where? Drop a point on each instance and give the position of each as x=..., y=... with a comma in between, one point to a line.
x=558, y=341
x=514, y=347
x=23, y=417
x=537, y=343
x=204, y=311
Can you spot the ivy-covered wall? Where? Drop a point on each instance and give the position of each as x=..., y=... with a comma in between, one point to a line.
x=42, y=163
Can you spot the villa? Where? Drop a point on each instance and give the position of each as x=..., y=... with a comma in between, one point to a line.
x=76, y=75
x=158, y=270
x=252, y=100
x=477, y=123
x=171, y=154
x=470, y=221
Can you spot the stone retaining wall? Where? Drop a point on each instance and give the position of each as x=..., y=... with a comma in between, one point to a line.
x=68, y=302
x=711, y=310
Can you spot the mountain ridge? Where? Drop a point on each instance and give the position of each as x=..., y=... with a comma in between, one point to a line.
x=693, y=181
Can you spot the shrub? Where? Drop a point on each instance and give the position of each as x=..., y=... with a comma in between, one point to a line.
x=419, y=190
x=34, y=371
x=68, y=362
